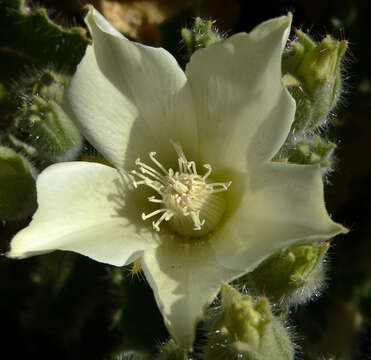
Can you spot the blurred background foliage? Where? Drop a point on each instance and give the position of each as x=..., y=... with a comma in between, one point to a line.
x=64, y=306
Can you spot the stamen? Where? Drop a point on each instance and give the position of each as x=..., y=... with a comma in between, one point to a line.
x=146, y=181
x=152, y=157
x=224, y=186
x=154, y=200
x=181, y=165
x=165, y=216
x=192, y=165
x=155, y=187
x=136, y=183
x=195, y=215
x=185, y=195
x=150, y=170
x=208, y=172
x=160, y=178
x=153, y=213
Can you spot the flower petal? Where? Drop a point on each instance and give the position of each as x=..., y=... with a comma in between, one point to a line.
x=244, y=111
x=82, y=208
x=185, y=278
x=103, y=114
x=127, y=91
x=282, y=204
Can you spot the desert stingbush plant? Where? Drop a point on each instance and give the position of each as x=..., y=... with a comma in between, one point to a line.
x=158, y=126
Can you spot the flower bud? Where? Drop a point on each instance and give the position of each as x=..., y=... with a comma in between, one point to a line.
x=202, y=34
x=41, y=120
x=292, y=276
x=245, y=328
x=312, y=151
x=17, y=185
x=313, y=76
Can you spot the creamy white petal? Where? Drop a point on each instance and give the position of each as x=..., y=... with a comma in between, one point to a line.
x=154, y=103
x=104, y=115
x=244, y=111
x=184, y=279
x=281, y=204
x=86, y=208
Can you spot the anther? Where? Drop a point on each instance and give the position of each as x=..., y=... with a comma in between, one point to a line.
x=152, y=157
x=154, y=200
x=165, y=216
x=223, y=186
x=208, y=172
x=153, y=213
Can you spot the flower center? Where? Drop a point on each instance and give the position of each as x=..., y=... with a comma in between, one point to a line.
x=191, y=203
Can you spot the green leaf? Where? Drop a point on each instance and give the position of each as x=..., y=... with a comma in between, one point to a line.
x=17, y=185
x=29, y=37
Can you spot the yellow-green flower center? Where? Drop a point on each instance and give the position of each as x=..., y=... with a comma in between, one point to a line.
x=192, y=204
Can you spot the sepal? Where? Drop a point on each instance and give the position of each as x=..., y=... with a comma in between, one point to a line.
x=246, y=328
x=292, y=276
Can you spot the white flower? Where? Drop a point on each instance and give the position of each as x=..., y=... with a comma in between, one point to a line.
x=203, y=224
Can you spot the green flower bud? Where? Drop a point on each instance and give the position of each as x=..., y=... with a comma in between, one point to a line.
x=41, y=120
x=17, y=185
x=30, y=37
x=292, y=276
x=312, y=151
x=202, y=34
x=246, y=329
x=313, y=76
